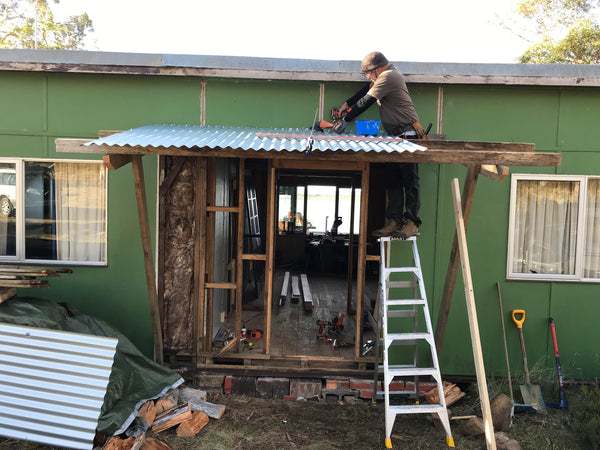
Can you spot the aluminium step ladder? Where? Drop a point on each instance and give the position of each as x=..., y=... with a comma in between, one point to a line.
x=401, y=312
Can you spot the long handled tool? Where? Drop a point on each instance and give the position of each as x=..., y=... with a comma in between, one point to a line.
x=512, y=399
x=564, y=404
x=532, y=393
x=516, y=407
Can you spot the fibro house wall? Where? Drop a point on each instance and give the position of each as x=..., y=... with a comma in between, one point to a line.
x=45, y=106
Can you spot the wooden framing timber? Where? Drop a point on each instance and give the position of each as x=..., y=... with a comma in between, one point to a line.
x=142, y=204
x=490, y=159
x=283, y=72
x=239, y=246
x=452, y=272
x=270, y=252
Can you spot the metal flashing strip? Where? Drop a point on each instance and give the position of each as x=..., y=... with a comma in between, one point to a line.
x=52, y=384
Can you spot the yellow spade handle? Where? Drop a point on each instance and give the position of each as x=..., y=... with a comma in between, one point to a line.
x=518, y=322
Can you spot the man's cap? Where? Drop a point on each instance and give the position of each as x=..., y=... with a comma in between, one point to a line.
x=372, y=61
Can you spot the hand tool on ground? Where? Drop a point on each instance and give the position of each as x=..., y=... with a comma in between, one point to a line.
x=367, y=347
x=254, y=334
x=326, y=328
x=516, y=407
x=532, y=393
x=338, y=343
x=564, y=404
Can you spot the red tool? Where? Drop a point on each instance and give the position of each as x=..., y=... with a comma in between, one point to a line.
x=564, y=404
x=322, y=125
x=335, y=326
x=337, y=115
x=254, y=334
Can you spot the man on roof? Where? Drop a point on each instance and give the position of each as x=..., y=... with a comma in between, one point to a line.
x=388, y=88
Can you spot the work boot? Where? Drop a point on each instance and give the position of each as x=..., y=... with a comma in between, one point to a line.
x=390, y=226
x=408, y=229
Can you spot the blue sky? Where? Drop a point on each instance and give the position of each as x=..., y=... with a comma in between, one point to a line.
x=422, y=30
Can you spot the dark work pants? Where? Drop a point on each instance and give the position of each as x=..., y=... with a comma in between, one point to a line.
x=402, y=183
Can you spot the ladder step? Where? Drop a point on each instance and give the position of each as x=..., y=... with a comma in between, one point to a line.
x=406, y=302
x=417, y=409
x=409, y=269
x=406, y=337
x=413, y=371
x=397, y=366
x=402, y=313
x=400, y=284
x=390, y=238
x=380, y=394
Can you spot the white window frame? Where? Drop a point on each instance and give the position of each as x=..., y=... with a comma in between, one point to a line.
x=577, y=276
x=19, y=257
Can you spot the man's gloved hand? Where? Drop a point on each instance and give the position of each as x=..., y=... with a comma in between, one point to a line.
x=340, y=126
x=419, y=130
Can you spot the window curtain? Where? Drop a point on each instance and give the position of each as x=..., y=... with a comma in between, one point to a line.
x=591, y=259
x=80, y=211
x=545, y=228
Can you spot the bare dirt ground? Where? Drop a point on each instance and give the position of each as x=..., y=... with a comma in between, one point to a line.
x=251, y=423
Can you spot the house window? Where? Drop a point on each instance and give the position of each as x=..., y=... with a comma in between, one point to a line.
x=554, y=228
x=53, y=212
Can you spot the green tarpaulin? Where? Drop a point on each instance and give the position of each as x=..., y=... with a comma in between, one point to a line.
x=134, y=378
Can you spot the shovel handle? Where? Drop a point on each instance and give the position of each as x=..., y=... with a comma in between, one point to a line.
x=518, y=322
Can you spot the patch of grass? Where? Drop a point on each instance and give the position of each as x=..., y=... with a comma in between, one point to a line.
x=251, y=423
x=586, y=415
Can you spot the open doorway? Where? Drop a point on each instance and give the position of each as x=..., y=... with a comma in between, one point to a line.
x=314, y=289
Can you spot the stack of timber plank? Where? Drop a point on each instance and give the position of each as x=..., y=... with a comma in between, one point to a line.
x=13, y=277
x=308, y=300
x=184, y=408
x=297, y=282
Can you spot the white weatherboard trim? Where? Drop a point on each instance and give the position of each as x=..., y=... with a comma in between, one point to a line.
x=52, y=384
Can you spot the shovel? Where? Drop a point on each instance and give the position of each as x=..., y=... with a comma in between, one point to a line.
x=532, y=393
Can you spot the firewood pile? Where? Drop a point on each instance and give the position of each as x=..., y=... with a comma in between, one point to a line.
x=452, y=394
x=13, y=277
x=184, y=408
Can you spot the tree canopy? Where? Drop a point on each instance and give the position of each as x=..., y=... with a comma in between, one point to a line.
x=31, y=24
x=561, y=31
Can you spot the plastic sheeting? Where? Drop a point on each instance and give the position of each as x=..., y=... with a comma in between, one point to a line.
x=134, y=378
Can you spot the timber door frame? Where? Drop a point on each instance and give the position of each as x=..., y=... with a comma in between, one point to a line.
x=307, y=164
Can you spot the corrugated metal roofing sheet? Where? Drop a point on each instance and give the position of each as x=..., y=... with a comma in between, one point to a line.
x=52, y=384
x=247, y=138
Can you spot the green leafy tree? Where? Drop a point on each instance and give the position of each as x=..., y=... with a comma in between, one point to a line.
x=31, y=24
x=560, y=31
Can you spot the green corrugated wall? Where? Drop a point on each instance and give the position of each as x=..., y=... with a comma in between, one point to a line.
x=37, y=108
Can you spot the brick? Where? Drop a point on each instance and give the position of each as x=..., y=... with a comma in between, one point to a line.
x=349, y=399
x=364, y=393
x=399, y=386
x=361, y=384
x=289, y=397
x=210, y=383
x=227, y=384
x=343, y=384
x=305, y=388
x=244, y=386
x=269, y=387
x=423, y=387
x=331, y=384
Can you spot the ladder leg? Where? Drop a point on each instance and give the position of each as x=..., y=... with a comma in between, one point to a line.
x=397, y=307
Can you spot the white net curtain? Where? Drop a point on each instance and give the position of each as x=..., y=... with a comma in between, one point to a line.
x=545, y=229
